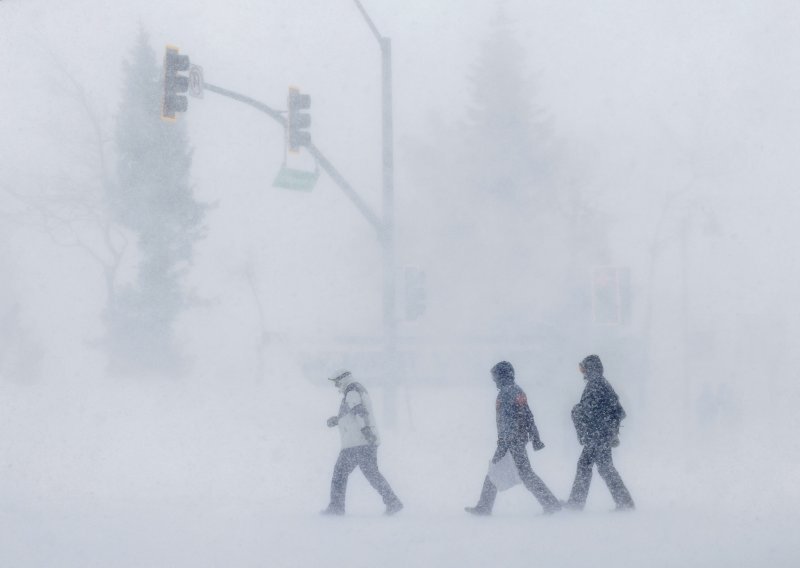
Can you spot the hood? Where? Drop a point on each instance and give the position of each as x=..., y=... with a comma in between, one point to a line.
x=593, y=367
x=503, y=374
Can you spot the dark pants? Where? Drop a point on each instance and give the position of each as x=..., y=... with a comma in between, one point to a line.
x=532, y=481
x=600, y=454
x=365, y=457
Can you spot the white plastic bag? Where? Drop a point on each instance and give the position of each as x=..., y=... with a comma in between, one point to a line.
x=503, y=474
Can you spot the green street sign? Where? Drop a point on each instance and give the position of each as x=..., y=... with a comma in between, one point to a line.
x=288, y=178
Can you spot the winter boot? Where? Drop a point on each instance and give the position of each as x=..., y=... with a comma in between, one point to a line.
x=392, y=508
x=554, y=508
x=478, y=511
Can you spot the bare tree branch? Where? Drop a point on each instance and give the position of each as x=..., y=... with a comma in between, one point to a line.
x=76, y=213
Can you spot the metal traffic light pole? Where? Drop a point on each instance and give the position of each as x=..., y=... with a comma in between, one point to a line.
x=384, y=227
x=387, y=236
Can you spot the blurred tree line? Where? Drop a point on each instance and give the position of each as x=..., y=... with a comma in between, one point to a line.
x=500, y=185
x=126, y=202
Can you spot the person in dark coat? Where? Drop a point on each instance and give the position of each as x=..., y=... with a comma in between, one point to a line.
x=597, y=418
x=515, y=426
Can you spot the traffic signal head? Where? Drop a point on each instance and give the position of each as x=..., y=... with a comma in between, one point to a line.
x=174, y=84
x=298, y=122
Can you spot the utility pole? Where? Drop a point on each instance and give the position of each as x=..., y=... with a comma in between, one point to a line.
x=387, y=236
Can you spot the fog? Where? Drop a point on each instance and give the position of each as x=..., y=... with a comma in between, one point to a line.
x=569, y=178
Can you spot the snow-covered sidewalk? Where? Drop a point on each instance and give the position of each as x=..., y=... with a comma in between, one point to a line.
x=195, y=535
x=151, y=475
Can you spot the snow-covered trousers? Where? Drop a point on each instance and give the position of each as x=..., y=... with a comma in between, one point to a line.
x=532, y=481
x=365, y=457
x=599, y=454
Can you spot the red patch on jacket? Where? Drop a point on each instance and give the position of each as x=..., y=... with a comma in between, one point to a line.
x=521, y=399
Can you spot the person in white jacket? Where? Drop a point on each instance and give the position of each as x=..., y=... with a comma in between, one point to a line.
x=360, y=441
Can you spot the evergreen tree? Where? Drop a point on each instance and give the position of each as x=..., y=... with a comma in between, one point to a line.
x=499, y=191
x=154, y=200
x=509, y=139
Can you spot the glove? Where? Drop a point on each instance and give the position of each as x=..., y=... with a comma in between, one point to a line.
x=615, y=441
x=537, y=445
x=333, y=421
x=369, y=435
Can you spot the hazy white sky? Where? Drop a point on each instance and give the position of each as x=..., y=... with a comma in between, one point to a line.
x=649, y=98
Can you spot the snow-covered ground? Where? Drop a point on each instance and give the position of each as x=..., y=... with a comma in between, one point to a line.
x=149, y=474
x=199, y=533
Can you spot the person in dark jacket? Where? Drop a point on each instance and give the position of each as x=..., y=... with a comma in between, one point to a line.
x=515, y=426
x=597, y=418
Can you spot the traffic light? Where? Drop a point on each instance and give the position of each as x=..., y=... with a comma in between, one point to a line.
x=174, y=84
x=415, y=295
x=298, y=122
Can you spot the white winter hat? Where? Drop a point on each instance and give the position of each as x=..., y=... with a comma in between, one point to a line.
x=339, y=375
